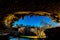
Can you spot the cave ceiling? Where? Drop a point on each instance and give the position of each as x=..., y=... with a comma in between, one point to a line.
x=18, y=8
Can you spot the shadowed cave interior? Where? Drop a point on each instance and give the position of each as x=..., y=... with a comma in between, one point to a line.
x=50, y=32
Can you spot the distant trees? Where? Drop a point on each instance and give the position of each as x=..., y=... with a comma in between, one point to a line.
x=44, y=24
x=21, y=25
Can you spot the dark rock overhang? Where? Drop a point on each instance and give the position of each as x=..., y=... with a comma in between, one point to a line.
x=11, y=6
x=52, y=8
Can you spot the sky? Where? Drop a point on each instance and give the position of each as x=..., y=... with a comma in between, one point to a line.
x=37, y=21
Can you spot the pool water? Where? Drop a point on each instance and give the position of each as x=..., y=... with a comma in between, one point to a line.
x=12, y=38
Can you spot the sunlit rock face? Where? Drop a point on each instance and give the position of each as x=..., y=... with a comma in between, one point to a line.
x=21, y=29
x=39, y=32
x=9, y=19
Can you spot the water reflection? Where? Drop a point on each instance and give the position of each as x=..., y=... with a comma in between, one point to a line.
x=11, y=38
x=27, y=38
